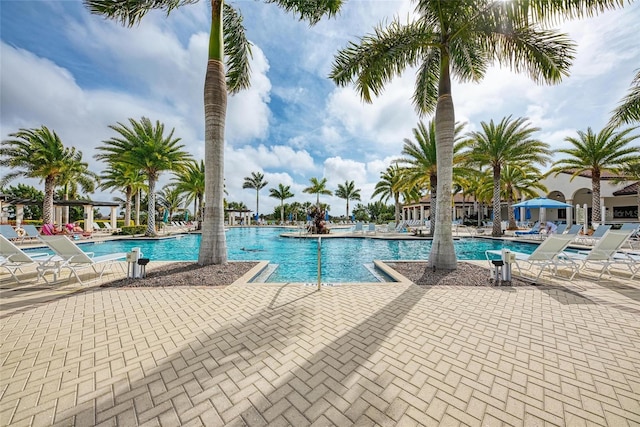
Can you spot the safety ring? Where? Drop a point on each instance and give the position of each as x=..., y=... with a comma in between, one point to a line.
x=20, y=232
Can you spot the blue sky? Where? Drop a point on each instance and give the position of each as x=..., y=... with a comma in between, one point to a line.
x=77, y=73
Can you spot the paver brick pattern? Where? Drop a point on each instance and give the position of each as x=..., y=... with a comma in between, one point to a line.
x=392, y=354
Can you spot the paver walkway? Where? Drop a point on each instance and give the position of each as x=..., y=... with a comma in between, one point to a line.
x=389, y=354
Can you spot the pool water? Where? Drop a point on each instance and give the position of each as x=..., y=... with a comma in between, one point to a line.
x=343, y=259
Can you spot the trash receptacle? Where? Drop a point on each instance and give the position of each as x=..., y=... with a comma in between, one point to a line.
x=142, y=262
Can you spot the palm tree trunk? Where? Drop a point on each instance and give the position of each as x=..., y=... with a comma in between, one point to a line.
x=396, y=197
x=138, y=207
x=281, y=211
x=443, y=255
x=497, y=213
x=65, y=210
x=433, y=183
x=151, y=209
x=47, y=206
x=213, y=246
x=127, y=207
x=596, y=213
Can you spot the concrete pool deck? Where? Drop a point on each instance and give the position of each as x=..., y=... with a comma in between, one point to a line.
x=565, y=353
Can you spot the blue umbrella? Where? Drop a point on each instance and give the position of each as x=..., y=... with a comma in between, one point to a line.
x=527, y=214
x=516, y=214
x=165, y=218
x=326, y=215
x=353, y=217
x=542, y=202
x=290, y=216
x=186, y=215
x=256, y=216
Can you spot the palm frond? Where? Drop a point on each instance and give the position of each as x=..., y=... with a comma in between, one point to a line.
x=237, y=50
x=130, y=12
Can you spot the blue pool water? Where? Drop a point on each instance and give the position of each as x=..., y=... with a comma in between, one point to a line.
x=343, y=259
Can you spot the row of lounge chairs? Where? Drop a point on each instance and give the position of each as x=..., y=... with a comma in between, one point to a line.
x=66, y=255
x=553, y=254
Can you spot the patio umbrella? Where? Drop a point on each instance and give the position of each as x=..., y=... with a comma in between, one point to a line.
x=516, y=214
x=326, y=215
x=186, y=215
x=165, y=218
x=542, y=202
x=527, y=214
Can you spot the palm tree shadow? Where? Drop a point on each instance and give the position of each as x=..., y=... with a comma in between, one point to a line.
x=289, y=350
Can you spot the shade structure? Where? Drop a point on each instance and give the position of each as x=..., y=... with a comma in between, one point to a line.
x=542, y=202
x=165, y=217
x=516, y=214
x=326, y=215
x=186, y=215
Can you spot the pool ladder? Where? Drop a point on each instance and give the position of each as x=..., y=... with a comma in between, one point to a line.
x=319, y=262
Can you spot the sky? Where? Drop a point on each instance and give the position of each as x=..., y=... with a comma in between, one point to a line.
x=78, y=73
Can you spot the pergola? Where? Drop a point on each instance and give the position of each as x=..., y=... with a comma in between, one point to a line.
x=245, y=214
x=58, y=205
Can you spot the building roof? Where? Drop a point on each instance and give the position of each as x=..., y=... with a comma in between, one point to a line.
x=10, y=200
x=629, y=190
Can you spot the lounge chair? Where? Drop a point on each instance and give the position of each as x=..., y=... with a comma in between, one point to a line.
x=31, y=232
x=605, y=253
x=534, y=231
x=574, y=230
x=7, y=231
x=593, y=239
x=371, y=228
x=358, y=228
x=545, y=255
x=14, y=259
x=71, y=257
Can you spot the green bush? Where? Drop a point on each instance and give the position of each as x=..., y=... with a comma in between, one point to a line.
x=133, y=230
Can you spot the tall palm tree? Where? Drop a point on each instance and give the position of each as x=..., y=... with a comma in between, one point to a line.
x=420, y=163
x=348, y=191
x=76, y=172
x=256, y=182
x=281, y=193
x=191, y=182
x=596, y=153
x=226, y=38
x=462, y=38
x=497, y=145
x=318, y=187
x=123, y=177
x=629, y=109
x=37, y=153
x=387, y=188
x=170, y=198
x=144, y=146
x=517, y=181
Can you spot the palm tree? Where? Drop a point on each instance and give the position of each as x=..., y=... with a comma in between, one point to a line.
x=282, y=193
x=318, y=187
x=629, y=109
x=348, y=191
x=606, y=151
x=256, y=182
x=75, y=172
x=37, y=153
x=191, y=182
x=123, y=177
x=144, y=146
x=226, y=38
x=497, y=145
x=517, y=181
x=170, y=198
x=462, y=38
x=420, y=164
x=393, y=184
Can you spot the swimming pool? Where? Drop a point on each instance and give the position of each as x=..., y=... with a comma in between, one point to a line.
x=343, y=259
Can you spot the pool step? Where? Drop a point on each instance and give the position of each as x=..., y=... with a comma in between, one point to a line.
x=264, y=275
x=380, y=276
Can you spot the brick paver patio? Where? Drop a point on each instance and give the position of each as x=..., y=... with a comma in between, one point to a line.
x=385, y=354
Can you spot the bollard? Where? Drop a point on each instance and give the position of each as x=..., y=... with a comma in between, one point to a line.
x=508, y=258
x=133, y=269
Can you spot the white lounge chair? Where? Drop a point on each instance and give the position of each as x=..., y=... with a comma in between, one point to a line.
x=604, y=253
x=593, y=239
x=7, y=231
x=371, y=228
x=71, y=257
x=31, y=232
x=358, y=228
x=14, y=259
x=545, y=255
